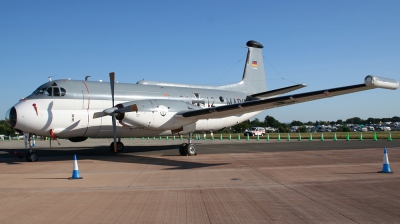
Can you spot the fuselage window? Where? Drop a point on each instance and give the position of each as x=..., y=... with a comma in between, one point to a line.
x=63, y=92
x=56, y=91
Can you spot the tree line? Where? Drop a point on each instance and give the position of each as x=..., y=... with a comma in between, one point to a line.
x=270, y=121
x=5, y=129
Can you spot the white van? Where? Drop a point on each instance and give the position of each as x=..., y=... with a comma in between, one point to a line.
x=254, y=131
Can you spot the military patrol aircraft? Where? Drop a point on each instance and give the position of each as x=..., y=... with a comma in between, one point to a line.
x=78, y=109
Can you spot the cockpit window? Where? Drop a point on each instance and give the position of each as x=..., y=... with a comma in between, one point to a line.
x=49, y=91
x=36, y=91
x=56, y=91
x=40, y=91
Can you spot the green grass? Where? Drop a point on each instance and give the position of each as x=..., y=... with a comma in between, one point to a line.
x=306, y=136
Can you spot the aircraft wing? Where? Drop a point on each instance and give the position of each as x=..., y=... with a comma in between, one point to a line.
x=371, y=82
x=277, y=92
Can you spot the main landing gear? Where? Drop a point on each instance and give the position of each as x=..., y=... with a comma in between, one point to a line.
x=188, y=148
x=120, y=146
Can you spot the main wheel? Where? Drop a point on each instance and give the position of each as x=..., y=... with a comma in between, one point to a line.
x=183, y=149
x=31, y=157
x=112, y=147
x=191, y=149
x=120, y=147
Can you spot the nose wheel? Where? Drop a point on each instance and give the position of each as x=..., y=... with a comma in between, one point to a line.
x=31, y=156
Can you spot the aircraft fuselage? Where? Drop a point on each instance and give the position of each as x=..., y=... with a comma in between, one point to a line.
x=67, y=106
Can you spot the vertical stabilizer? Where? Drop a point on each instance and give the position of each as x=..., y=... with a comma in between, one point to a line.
x=254, y=74
x=253, y=80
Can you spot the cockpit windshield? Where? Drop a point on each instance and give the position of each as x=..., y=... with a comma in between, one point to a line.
x=51, y=91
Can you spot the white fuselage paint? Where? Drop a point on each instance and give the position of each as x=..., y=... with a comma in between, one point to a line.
x=72, y=118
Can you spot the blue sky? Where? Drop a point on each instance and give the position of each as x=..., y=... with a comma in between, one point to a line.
x=323, y=44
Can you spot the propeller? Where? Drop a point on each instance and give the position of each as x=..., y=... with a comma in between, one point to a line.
x=114, y=111
x=112, y=78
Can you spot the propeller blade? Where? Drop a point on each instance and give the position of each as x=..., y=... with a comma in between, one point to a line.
x=110, y=111
x=114, y=110
x=114, y=132
x=98, y=115
x=127, y=109
x=112, y=77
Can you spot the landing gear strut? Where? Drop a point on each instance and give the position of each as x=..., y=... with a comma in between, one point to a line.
x=188, y=148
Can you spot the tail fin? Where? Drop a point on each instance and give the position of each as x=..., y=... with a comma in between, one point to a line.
x=253, y=80
x=254, y=73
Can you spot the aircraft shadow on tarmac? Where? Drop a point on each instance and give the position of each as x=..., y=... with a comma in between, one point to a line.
x=103, y=153
x=153, y=154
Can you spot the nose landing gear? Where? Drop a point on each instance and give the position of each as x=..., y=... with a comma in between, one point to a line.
x=31, y=156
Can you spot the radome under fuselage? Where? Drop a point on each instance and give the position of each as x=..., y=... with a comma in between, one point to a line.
x=68, y=110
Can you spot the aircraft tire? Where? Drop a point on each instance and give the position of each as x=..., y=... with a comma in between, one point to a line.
x=191, y=149
x=120, y=146
x=31, y=157
x=183, y=149
x=112, y=147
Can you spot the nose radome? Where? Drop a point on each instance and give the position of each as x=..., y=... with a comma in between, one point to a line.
x=11, y=117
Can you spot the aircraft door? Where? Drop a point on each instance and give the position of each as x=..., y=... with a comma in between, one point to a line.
x=82, y=118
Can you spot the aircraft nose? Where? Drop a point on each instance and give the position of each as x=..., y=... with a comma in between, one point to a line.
x=11, y=117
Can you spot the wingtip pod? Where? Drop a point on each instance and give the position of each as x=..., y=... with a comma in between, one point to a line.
x=380, y=82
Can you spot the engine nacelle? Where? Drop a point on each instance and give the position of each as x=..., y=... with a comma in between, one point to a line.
x=156, y=114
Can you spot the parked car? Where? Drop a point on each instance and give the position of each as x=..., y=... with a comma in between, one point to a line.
x=254, y=131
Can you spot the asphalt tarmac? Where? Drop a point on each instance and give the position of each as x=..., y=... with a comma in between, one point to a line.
x=229, y=181
x=47, y=150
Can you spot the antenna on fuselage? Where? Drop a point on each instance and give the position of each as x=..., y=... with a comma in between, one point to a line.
x=50, y=78
x=87, y=77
